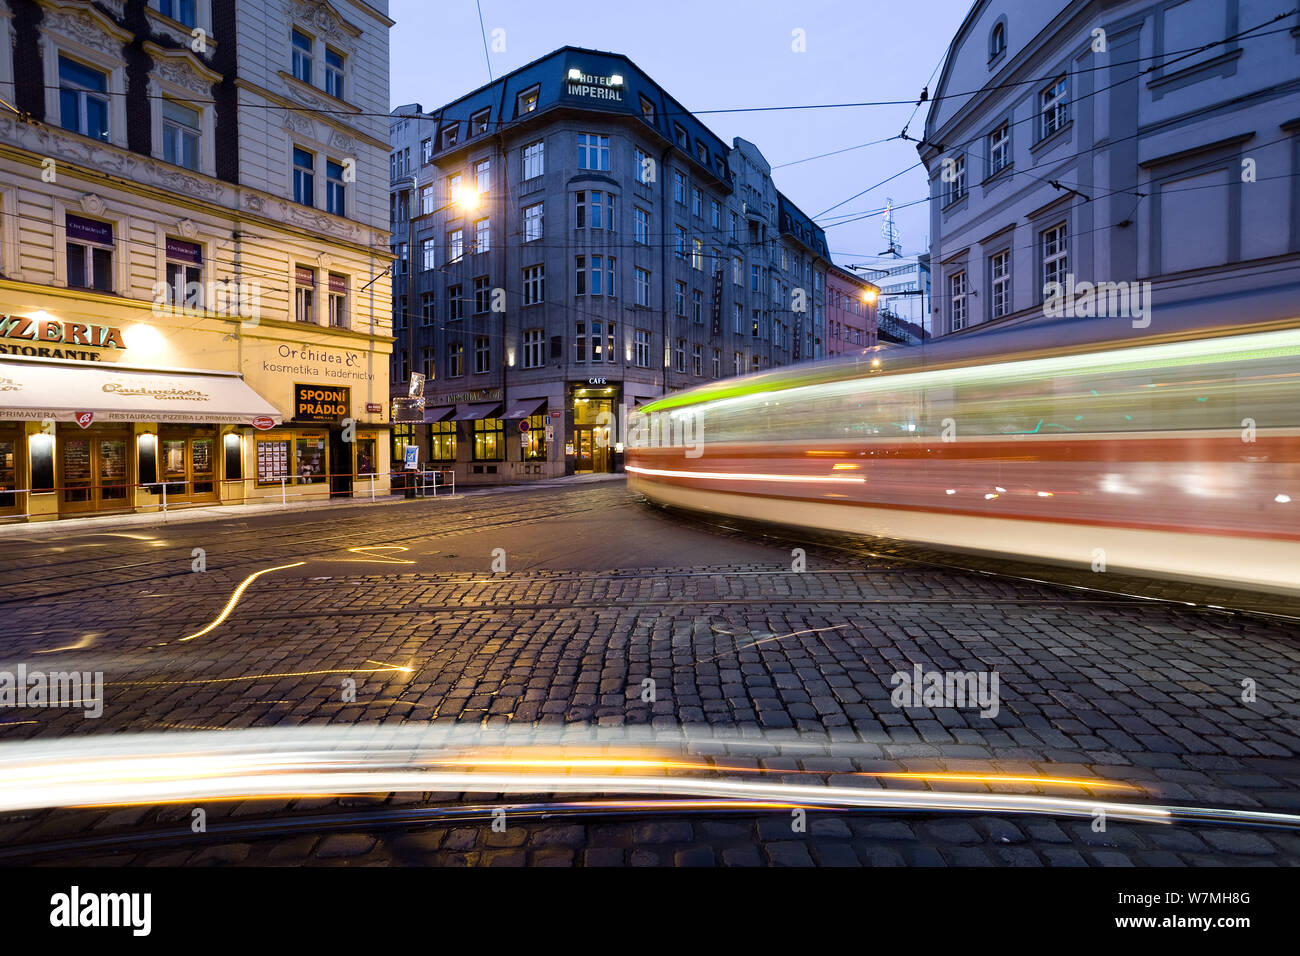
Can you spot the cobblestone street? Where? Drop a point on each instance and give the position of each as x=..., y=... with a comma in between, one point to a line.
x=599, y=594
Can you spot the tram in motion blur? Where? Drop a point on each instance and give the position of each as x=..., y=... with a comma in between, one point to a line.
x=1171, y=455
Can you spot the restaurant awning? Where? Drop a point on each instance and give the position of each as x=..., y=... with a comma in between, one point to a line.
x=32, y=391
x=440, y=413
x=476, y=410
x=524, y=408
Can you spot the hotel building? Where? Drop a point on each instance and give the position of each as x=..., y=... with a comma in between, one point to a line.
x=570, y=243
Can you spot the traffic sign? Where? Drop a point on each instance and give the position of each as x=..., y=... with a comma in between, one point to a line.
x=523, y=425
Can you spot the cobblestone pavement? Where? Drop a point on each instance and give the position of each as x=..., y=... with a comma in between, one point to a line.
x=600, y=593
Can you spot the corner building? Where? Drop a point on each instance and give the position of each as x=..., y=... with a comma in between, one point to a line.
x=611, y=249
x=194, y=307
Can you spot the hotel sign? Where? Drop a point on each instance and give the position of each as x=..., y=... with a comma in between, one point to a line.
x=47, y=332
x=598, y=87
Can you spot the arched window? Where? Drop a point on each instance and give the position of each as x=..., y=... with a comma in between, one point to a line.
x=997, y=39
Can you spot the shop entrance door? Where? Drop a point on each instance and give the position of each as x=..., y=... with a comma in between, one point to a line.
x=340, y=466
x=11, y=442
x=583, y=445
x=93, y=474
x=591, y=436
x=187, y=463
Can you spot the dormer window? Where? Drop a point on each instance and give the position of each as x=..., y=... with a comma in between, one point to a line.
x=702, y=153
x=478, y=123
x=527, y=101
x=450, y=136
x=647, y=110
x=680, y=135
x=997, y=40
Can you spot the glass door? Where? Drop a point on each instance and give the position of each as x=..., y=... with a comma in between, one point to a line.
x=77, y=475
x=187, y=463
x=583, y=442
x=93, y=472
x=9, y=445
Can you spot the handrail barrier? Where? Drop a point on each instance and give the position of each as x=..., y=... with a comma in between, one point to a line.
x=318, y=486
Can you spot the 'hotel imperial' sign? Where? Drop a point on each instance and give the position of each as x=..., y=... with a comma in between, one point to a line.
x=599, y=87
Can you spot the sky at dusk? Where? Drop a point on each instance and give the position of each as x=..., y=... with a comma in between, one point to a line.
x=724, y=55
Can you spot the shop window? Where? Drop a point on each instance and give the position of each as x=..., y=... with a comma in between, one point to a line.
x=367, y=460
x=442, y=441
x=403, y=435
x=489, y=439
x=309, y=460
x=535, y=438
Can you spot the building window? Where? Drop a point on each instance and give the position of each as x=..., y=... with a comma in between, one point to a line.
x=442, y=441
x=580, y=275
x=753, y=278
x=999, y=148
x=737, y=318
x=482, y=235
x=697, y=359
x=489, y=439
x=533, y=347
x=455, y=303
x=527, y=101
x=533, y=221
x=641, y=225
x=697, y=255
x=1051, y=108
x=455, y=245
x=304, y=298
x=679, y=242
x=679, y=187
x=184, y=273
x=334, y=73
x=304, y=177
x=429, y=254
x=483, y=176
x=679, y=354
x=580, y=209
x=696, y=201
x=641, y=348
x=731, y=227
x=426, y=151
x=478, y=123
x=737, y=270
x=737, y=363
x=455, y=359
x=182, y=11
x=957, y=300
x=334, y=193
x=593, y=151
x=597, y=209
x=647, y=110
x=482, y=295
x=534, y=160
x=428, y=308
x=679, y=298
x=597, y=267
x=1000, y=283
x=302, y=55
x=642, y=287
x=1056, y=262
x=715, y=213
x=679, y=134
x=534, y=285
x=643, y=166
x=449, y=136
x=997, y=39
x=90, y=254
x=611, y=271
x=957, y=172
x=580, y=343
x=338, y=301
x=453, y=187
x=83, y=99
x=482, y=354
x=717, y=364
x=181, y=126
x=697, y=306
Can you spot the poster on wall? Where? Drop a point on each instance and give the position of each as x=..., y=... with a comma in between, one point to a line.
x=272, y=460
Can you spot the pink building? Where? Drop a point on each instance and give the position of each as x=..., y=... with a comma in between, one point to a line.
x=850, y=311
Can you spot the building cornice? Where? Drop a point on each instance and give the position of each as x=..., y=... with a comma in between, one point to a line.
x=313, y=111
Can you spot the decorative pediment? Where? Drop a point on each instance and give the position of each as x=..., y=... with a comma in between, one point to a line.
x=322, y=17
x=187, y=228
x=92, y=204
x=183, y=69
x=84, y=24
x=324, y=260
